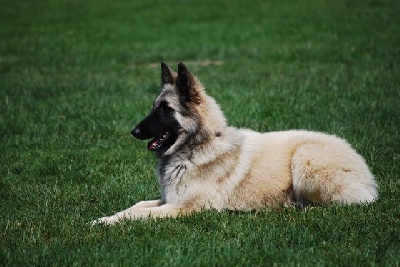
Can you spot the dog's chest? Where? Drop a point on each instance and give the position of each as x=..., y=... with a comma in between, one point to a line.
x=171, y=171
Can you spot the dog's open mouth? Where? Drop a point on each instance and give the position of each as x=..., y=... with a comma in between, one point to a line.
x=158, y=142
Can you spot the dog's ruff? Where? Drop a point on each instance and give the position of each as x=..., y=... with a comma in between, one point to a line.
x=205, y=164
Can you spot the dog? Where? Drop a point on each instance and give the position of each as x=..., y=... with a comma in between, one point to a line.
x=205, y=164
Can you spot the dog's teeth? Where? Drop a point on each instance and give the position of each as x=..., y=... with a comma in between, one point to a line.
x=164, y=135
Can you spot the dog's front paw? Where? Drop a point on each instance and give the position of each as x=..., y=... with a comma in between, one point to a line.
x=105, y=220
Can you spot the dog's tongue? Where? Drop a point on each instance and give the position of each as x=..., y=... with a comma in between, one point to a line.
x=157, y=142
x=153, y=144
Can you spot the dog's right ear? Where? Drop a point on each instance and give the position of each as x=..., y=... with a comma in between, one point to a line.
x=187, y=85
x=168, y=76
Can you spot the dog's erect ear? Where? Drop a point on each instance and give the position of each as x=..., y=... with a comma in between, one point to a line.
x=186, y=85
x=168, y=76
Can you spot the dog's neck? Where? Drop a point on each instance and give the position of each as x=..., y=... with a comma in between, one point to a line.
x=213, y=127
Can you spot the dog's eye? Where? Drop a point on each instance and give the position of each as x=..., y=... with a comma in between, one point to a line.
x=165, y=108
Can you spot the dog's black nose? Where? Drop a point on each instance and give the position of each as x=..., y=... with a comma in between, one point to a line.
x=136, y=132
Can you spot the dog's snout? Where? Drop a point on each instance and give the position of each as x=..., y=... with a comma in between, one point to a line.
x=136, y=132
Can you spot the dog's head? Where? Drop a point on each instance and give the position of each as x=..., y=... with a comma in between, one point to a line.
x=178, y=115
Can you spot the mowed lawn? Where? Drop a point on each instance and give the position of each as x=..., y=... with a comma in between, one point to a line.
x=76, y=76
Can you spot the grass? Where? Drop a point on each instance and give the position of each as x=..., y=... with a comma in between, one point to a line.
x=75, y=76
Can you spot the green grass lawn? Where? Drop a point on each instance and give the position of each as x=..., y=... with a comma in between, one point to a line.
x=76, y=76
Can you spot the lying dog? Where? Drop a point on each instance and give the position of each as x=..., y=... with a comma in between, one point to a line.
x=205, y=164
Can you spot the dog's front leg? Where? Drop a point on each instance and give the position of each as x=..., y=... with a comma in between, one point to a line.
x=123, y=214
x=162, y=211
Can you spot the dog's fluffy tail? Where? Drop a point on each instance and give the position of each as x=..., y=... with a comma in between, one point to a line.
x=332, y=173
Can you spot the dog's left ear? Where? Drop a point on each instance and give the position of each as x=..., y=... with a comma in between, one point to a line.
x=168, y=76
x=187, y=85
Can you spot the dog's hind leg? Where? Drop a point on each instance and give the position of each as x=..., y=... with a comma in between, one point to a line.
x=331, y=173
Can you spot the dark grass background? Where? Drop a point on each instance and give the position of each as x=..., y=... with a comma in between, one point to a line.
x=75, y=76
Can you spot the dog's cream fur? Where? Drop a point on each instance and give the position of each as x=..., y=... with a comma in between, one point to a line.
x=240, y=169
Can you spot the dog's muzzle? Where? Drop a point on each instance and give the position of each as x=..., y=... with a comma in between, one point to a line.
x=136, y=132
x=141, y=133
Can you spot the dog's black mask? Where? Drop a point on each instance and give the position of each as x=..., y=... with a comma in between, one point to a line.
x=160, y=126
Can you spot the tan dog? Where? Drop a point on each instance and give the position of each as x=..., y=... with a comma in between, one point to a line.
x=205, y=164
